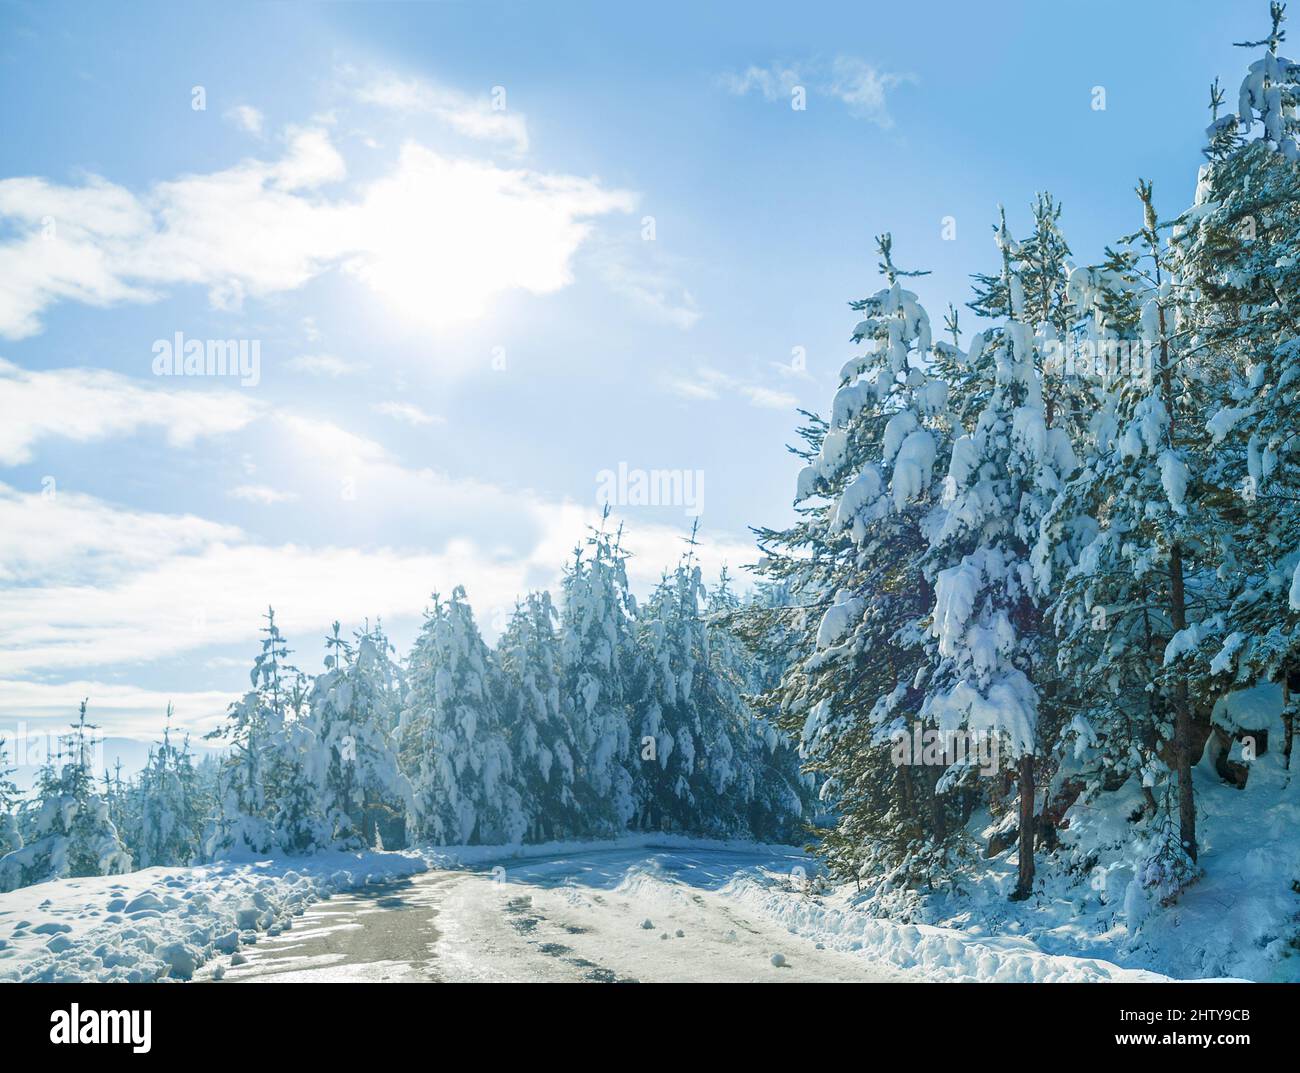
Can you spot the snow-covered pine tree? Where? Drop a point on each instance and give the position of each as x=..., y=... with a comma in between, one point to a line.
x=1106, y=652
x=987, y=619
x=692, y=729
x=94, y=846
x=774, y=797
x=968, y=373
x=667, y=724
x=853, y=567
x=122, y=806
x=294, y=778
x=266, y=799
x=10, y=838
x=1137, y=609
x=455, y=743
x=601, y=660
x=169, y=825
x=1238, y=253
x=354, y=708
x=540, y=723
x=70, y=833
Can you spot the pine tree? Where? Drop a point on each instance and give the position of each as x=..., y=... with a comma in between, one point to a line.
x=987, y=618
x=10, y=838
x=354, y=709
x=541, y=723
x=267, y=800
x=171, y=811
x=1136, y=611
x=1236, y=250
x=600, y=661
x=667, y=723
x=770, y=797
x=71, y=833
x=852, y=568
x=462, y=770
x=695, y=753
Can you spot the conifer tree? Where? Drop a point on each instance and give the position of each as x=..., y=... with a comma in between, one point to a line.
x=987, y=620
x=1137, y=609
x=170, y=808
x=601, y=667
x=668, y=720
x=540, y=723
x=354, y=706
x=853, y=565
x=1236, y=250
x=458, y=755
x=71, y=833
x=10, y=838
x=768, y=794
x=267, y=800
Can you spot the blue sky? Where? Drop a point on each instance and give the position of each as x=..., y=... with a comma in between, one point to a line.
x=460, y=319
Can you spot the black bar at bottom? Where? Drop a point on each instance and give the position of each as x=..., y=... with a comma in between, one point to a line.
x=371, y=1021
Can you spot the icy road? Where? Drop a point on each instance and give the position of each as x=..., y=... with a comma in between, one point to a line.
x=616, y=915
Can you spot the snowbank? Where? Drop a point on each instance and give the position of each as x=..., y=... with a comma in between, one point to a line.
x=163, y=923
x=936, y=954
x=1240, y=919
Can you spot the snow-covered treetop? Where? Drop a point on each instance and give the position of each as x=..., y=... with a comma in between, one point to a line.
x=878, y=454
x=1270, y=92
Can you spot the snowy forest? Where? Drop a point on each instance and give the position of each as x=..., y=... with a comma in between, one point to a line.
x=1034, y=636
x=602, y=717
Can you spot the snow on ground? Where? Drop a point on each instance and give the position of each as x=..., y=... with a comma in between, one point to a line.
x=165, y=922
x=1239, y=920
x=935, y=953
x=630, y=912
x=650, y=908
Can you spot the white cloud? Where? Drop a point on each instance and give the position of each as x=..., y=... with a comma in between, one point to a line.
x=324, y=365
x=642, y=273
x=247, y=118
x=768, y=398
x=863, y=88
x=705, y=385
x=774, y=82
x=96, y=585
x=436, y=237
x=72, y=536
x=333, y=443
x=473, y=117
x=119, y=709
x=261, y=493
x=91, y=404
x=708, y=384
x=860, y=86
x=654, y=290
x=406, y=412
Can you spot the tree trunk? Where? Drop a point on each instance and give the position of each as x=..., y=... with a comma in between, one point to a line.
x=1025, y=881
x=1182, y=715
x=1288, y=718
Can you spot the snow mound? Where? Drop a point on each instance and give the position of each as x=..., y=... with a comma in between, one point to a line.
x=940, y=954
x=164, y=923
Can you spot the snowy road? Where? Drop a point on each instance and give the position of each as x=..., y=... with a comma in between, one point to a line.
x=576, y=917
